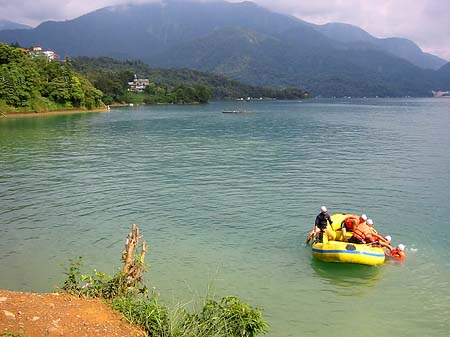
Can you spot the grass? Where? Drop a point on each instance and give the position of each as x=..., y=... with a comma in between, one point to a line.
x=227, y=317
x=11, y=334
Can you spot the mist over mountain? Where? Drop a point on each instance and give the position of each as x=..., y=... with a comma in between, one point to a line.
x=399, y=47
x=6, y=24
x=248, y=43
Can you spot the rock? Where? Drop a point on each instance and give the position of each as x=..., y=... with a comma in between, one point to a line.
x=35, y=318
x=54, y=331
x=3, y=299
x=9, y=314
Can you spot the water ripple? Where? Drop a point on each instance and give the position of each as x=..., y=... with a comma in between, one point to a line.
x=239, y=193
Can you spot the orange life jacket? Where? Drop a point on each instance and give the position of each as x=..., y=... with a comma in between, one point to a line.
x=398, y=254
x=351, y=222
x=363, y=232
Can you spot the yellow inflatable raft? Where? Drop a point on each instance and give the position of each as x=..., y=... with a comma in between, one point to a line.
x=336, y=250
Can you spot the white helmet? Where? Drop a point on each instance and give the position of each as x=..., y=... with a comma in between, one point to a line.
x=323, y=209
x=364, y=217
x=389, y=238
x=401, y=247
x=370, y=222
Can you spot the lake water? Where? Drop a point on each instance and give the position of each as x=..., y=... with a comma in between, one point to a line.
x=227, y=200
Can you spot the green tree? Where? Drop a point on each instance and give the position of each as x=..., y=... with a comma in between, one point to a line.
x=36, y=83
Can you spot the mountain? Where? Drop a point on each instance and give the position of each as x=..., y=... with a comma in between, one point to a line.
x=6, y=24
x=443, y=75
x=403, y=48
x=99, y=70
x=248, y=43
x=302, y=59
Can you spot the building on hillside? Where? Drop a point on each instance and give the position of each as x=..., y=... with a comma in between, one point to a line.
x=138, y=84
x=38, y=51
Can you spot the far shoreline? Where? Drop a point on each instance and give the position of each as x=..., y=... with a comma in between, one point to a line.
x=25, y=114
x=107, y=108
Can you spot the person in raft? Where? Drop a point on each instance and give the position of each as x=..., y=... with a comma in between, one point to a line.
x=351, y=223
x=320, y=225
x=365, y=233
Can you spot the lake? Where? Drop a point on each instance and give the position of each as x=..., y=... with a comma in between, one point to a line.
x=225, y=202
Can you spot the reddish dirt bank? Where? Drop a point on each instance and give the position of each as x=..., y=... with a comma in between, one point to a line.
x=35, y=315
x=49, y=113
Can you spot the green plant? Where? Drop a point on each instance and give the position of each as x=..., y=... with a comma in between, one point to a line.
x=12, y=334
x=126, y=293
x=72, y=282
x=98, y=284
x=146, y=312
x=228, y=317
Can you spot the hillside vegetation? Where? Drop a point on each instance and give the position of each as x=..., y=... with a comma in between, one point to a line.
x=247, y=43
x=34, y=84
x=111, y=77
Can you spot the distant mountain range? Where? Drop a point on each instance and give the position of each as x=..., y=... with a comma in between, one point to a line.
x=248, y=43
x=6, y=24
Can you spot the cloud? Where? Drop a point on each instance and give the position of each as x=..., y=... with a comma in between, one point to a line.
x=426, y=22
x=33, y=12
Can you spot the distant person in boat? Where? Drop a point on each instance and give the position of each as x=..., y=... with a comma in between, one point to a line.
x=350, y=223
x=320, y=225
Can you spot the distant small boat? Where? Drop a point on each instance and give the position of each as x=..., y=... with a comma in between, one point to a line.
x=237, y=111
x=439, y=93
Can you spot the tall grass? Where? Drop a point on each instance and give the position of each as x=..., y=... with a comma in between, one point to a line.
x=227, y=317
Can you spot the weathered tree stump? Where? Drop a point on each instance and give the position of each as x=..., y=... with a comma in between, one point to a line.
x=133, y=260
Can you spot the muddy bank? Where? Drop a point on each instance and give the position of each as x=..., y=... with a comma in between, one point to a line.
x=31, y=314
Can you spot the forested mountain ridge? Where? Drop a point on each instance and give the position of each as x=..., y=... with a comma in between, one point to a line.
x=403, y=48
x=105, y=71
x=248, y=43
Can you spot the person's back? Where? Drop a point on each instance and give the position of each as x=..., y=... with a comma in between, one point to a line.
x=363, y=233
x=350, y=223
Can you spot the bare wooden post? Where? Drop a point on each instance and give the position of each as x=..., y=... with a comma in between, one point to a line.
x=133, y=267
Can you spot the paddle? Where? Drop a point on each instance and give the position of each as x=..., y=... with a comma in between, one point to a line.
x=310, y=235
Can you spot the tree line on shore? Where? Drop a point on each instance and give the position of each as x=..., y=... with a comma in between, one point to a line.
x=114, y=86
x=37, y=84
x=220, y=87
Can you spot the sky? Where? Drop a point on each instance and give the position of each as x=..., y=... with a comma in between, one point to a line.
x=426, y=22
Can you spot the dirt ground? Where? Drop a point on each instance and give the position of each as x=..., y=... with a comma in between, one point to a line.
x=35, y=315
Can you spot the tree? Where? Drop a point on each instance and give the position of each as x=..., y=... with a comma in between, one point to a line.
x=25, y=81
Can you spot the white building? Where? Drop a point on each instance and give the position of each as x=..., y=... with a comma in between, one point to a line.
x=138, y=84
x=37, y=51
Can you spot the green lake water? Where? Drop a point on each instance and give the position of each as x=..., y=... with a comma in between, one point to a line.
x=227, y=200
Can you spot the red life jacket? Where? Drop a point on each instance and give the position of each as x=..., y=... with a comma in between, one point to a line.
x=351, y=222
x=398, y=254
x=363, y=232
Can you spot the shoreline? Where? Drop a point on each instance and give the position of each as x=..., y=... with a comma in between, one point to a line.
x=25, y=114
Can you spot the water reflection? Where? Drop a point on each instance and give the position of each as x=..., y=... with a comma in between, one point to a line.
x=347, y=279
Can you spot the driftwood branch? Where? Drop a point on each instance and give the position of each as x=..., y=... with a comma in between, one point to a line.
x=133, y=260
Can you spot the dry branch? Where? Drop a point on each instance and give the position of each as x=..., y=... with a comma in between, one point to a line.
x=133, y=260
